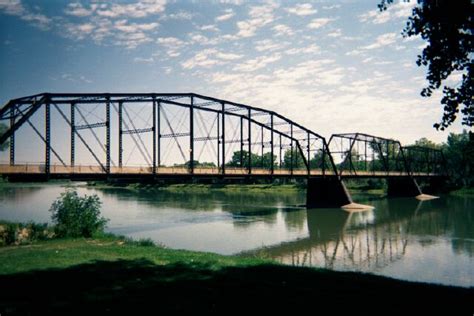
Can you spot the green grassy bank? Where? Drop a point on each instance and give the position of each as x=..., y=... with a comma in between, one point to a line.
x=112, y=275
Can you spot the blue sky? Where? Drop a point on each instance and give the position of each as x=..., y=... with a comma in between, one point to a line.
x=333, y=66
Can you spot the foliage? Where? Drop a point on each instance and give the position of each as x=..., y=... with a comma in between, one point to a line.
x=459, y=154
x=295, y=155
x=317, y=161
x=3, y=129
x=19, y=233
x=257, y=161
x=424, y=142
x=76, y=216
x=447, y=27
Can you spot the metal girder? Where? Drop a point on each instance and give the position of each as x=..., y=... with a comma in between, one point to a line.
x=90, y=126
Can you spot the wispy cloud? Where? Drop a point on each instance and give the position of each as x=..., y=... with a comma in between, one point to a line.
x=319, y=22
x=35, y=17
x=382, y=40
x=208, y=58
x=398, y=10
x=139, y=9
x=228, y=14
x=302, y=9
x=283, y=30
x=259, y=17
x=257, y=63
x=142, y=60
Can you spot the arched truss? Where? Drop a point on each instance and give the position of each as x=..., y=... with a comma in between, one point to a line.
x=189, y=124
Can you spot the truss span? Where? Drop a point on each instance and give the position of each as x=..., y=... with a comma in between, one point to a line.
x=156, y=134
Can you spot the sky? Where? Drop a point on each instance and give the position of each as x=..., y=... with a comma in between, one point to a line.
x=332, y=66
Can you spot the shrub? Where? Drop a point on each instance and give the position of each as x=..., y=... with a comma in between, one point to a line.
x=19, y=233
x=76, y=216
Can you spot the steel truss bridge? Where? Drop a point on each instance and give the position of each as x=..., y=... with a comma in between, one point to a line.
x=148, y=136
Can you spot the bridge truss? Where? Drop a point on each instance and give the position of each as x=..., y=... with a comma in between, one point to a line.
x=157, y=133
x=363, y=155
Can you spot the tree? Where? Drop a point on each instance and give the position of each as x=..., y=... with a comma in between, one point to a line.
x=258, y=161
x=298, y=162
x=425, y=142
x=317, y=161
x=447, y=26
x=3, y=129
x=76, y=216
x=459, y=154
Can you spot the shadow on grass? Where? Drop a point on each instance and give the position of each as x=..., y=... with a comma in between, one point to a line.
x=139, y=286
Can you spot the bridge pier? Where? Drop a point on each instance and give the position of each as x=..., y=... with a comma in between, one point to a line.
x=403, y=187
x=436, y=185
x=326, y=192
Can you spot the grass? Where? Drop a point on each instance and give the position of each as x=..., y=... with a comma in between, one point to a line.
x=199, y=187
x=63, y=253
x=463, y=192
x=114, y=275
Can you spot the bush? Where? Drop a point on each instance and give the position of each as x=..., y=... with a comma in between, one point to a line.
x=19, y=233
x=76, y=216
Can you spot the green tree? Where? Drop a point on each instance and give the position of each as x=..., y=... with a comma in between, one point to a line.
x=197, y=164
x=298, y=162
x=257, y=161
x=425, y=142
x=3, y=129
x=459, y=153
x=317, y=161
x=76, y=216
x=446, y=26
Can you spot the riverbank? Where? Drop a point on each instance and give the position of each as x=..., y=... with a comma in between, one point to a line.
x=112, y=275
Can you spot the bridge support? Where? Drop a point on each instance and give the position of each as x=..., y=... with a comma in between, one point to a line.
x=403, y=187
x=326, y=192
x=436, y=185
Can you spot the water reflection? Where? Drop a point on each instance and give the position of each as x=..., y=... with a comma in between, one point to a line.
x=389, y=239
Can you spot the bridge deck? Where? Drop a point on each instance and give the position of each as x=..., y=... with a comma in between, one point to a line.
x=91, y=171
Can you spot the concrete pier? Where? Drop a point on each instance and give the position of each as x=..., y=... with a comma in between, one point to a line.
x=326, y=192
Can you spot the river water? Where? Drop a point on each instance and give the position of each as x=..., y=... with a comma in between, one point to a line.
x=403, y=238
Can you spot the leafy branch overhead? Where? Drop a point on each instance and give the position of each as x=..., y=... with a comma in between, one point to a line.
x=447, y=28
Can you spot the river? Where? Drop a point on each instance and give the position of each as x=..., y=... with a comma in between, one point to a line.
x=429, y=241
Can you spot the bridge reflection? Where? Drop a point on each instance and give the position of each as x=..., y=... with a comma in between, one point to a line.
x=372, y=240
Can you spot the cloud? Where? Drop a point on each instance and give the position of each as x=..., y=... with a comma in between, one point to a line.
x=331, y=7
x=74, y=78
x=319, y=22
x=395, y=11
x=123, y=26
x=16, y=8
x=210, y=27
x=257, y=63
x=335, y=33
x=141, y=60
x=208, y=58
x=382, y=40
x=139, y=9
x=76, y=9
x=282, y=30
x=302, y=9
x=311, y=49
x=180, y=15
x=269, y=45
x=259, y=17
x=228, y=13
x=173, y=45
